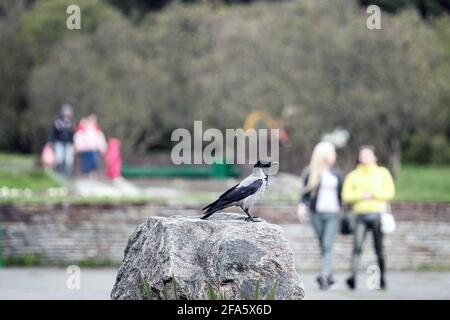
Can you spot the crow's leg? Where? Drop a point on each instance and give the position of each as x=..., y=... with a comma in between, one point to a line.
x=250, y=217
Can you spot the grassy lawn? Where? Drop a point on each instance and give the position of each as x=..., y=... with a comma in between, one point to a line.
x=415, y=183
x=423, y=183
x=20, y=171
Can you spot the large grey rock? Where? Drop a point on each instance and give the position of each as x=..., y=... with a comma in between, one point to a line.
x=224, y=251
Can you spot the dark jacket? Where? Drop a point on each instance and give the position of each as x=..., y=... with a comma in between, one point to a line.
x=310, y=197
x=62, y=130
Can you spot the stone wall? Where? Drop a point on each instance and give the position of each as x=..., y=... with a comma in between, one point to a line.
x=73, y=233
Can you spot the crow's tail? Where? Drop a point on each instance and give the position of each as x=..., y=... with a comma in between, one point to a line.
x=207, y=214
x=214, y=208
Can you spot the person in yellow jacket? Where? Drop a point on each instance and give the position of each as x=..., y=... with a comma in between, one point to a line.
x=368, y=189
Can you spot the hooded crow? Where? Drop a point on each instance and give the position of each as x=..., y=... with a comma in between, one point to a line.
x=244, y=194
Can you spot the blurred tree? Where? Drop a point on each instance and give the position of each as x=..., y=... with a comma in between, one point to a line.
x=388, y=87
x=431, y=142
x=31, y=28
x=137, y=9
x=425, y=7
x=336, y=73
x=106, y=73
x=45, y=25
x=13, y=75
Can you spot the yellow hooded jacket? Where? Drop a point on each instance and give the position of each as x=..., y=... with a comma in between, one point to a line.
x=368, y=179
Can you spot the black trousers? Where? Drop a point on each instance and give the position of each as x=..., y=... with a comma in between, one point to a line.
x=363, y=224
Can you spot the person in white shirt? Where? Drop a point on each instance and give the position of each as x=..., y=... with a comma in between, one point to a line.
x=321, y=196
x=90, y=143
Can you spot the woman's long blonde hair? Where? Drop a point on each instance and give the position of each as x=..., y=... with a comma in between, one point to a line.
x=317, y=164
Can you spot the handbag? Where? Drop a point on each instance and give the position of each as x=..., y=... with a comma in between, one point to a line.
x=347, y=224
x=48, y=156
x=388, y=224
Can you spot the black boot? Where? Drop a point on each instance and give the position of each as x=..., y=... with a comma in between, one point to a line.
x=323, y=282
x=351, y=282
x=331, y=283
x=383, y=285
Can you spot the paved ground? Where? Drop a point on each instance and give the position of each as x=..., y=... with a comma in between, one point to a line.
x=50, y=283
x=404, y=285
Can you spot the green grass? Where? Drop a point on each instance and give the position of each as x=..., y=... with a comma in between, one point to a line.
x=95, y=263
x=211, y=293
x=415, y=183
x=21, y=172
x=423, y=183
x=35, y=260
x=23, y=260
x=434, y=268
x=35, y=180
x=15, y=158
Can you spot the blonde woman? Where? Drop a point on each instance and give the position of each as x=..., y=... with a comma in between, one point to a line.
x=321, y=197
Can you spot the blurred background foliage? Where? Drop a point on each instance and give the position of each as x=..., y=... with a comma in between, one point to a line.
x=148, y=67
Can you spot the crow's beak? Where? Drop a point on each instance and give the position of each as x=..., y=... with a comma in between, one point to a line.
x=272, y=169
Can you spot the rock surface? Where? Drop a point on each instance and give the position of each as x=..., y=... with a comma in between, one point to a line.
x=225, y=251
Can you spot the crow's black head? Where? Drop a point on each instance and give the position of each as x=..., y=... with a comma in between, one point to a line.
x=263, y=164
